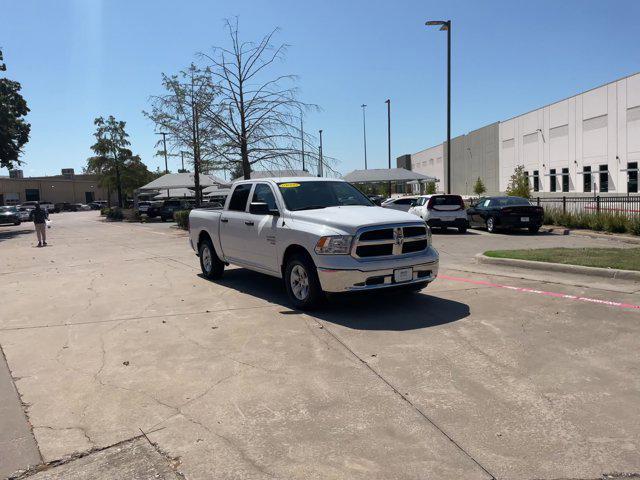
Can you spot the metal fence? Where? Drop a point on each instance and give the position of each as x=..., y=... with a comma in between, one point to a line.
x=623, y=204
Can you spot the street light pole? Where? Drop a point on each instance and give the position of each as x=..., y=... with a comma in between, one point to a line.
x=364, y=132
x=302, y=141
x=388, y=102
x=320, y=169
x=446, y=25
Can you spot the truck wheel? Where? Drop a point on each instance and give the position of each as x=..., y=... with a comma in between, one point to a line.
x=210, y=264
x=462, y=229
x=534, y=229
x=302, y=283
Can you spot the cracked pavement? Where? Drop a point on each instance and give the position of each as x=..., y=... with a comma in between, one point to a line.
x=110, y=331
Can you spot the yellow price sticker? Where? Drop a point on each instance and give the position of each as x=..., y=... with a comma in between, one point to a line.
x=288, y=185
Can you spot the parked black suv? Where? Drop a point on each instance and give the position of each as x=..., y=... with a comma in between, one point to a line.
x=169, y=207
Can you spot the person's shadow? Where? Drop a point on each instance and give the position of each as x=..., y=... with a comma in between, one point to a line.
x=375, y=310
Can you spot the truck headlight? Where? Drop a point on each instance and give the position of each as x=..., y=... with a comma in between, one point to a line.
x=334, y=245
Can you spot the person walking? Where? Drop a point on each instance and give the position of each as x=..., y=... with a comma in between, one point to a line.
x=40, y=216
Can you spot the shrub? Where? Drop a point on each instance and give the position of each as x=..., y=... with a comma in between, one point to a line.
x=131, y=215
x=615, y=223
x=182, y=219
x=633, y=225
x=478, y=187
x=596, y=222
x=105, y=211
x=115, y=214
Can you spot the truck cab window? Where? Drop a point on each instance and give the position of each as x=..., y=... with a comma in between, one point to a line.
x=239, y=197
x=264, y=194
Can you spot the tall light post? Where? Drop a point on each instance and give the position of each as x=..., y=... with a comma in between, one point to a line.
x=388, y=102
x=364, y=132
x=320, y=172
x=302, y=141
x=445, y=25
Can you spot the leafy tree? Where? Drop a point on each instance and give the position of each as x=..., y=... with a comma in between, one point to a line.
x=115, y=165
x=430, y=188
x=519, y=184
x=478, y=187
x=257, y=113
x=14, y=131
x=179, y=113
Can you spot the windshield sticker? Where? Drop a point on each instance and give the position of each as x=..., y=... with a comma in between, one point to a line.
x=288, y=185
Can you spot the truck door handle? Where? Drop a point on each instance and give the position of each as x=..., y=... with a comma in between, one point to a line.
x=248, y=222
x=224, y=220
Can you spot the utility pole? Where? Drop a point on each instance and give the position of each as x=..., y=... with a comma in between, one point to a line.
x=388, y=102
x=166, y=163
x=364, y=132
x=320, y=169
x=446, y=26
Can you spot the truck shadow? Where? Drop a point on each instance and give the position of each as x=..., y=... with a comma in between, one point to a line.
x=377, y=310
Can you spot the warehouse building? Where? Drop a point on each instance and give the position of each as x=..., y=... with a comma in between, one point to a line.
x=585, y=144
x=67, y=187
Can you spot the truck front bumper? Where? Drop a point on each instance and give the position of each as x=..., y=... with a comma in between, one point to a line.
x=378, y=274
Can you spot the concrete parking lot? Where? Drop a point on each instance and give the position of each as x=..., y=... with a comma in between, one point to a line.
x=112, y=339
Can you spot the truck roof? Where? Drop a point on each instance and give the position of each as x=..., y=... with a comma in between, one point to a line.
x=290, y=179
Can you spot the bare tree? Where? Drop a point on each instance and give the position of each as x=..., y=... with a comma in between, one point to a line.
x=179, y=112
x=257, y=114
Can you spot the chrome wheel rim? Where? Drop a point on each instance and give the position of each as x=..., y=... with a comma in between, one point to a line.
x=490, y=224
x=207, y=261
x=299, y=281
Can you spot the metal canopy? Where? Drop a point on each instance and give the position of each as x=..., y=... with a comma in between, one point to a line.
x=183, y=180
x=374, y=175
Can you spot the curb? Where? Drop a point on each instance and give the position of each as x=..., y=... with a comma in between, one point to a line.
x=589, y=233
x=559, y=267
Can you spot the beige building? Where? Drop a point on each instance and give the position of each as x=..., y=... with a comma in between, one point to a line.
x=67, y=187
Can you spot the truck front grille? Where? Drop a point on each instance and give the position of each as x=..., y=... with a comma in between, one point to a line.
x=390, y=241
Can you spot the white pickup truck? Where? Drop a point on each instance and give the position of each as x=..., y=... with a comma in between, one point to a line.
x=317, y=234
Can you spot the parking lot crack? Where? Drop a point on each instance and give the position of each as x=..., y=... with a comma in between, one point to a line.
x=405, y=399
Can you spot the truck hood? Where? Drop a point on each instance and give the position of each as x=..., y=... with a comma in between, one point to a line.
x=350, y=218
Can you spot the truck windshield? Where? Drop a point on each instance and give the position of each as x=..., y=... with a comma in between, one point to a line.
x=314, y=195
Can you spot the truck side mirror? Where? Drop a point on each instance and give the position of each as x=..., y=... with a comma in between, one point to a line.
x=261, y=208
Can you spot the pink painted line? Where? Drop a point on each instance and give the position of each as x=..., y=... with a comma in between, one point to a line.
x=608, y=303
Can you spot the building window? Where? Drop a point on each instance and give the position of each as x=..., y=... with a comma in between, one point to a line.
x=565, y=179
x=632, y=181
x=604, y=178
x=536, y=181
x=586, y=179
x=526, y=174
x=552, y=179
x=32, y=195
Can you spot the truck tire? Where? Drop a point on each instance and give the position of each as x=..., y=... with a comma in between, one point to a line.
x=212, y=267
x=302, y=283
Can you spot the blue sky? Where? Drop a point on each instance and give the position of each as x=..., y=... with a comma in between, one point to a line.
x=78, y=59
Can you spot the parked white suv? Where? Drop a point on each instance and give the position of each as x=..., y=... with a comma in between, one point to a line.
x=319, y=235
x=400, y=203
x=442, y=211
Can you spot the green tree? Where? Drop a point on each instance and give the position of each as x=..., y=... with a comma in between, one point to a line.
x=114, y=164
x=431, y=188
x=519, y=183
x=133, y=173
x=14, y=131
x=478, y=187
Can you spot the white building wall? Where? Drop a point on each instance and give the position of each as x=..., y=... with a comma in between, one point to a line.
x=598, y=127
x=430, y=162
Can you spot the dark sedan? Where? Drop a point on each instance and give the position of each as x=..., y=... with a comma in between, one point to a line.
x=9, y=215
x=169, y=207
x=505, y=213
